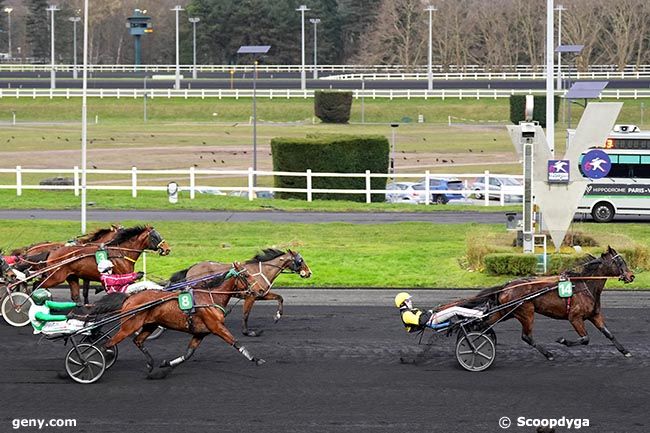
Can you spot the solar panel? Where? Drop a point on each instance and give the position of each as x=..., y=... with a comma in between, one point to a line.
x=253, y=49
x=586, y=89
x=569, y=48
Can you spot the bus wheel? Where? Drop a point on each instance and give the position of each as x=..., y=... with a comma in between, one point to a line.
x=603, y=212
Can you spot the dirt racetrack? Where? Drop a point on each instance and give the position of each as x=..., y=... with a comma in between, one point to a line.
x=337, y=369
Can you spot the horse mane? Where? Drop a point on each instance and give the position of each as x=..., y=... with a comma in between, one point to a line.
x=126, y=234
x=214, y=281
x=266, y=255
x=586, y=266
x=179, y=276
x=94, y=236
x=23, y=250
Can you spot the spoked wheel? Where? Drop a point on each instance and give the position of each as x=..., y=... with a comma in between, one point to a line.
x=475, y=351
x=110, y=355
x=85, y=363
x=15, y=308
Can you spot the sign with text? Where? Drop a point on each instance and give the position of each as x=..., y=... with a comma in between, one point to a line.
x=558, y=171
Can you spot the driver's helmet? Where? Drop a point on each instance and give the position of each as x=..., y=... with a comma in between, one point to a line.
x=104, y=266
x=39, y=296
x=401, y=298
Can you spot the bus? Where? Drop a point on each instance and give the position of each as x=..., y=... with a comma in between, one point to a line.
x=625, y=190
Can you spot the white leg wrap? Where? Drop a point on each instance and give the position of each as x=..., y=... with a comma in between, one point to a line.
x=245, y=352
x=174, y=362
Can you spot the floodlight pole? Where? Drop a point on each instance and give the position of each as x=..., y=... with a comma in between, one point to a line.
x=559, y=9
x=84, y=120
x=315, y=22
x=194, y=21
x=255, y=123
x=550, y=94
x=74, y=20
x=9, y=10
x=177, y=84
x=303, y=79
x=431, y=9
x=52, y=9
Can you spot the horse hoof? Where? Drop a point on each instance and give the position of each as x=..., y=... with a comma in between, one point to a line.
x=550, y=357
x=561, y=340
x=62, y=375
x=159, y=373
x=259, y=361
x=164, y=364
x=627, y=354
x=277, y=317
x=253, y=333
x=149, y=368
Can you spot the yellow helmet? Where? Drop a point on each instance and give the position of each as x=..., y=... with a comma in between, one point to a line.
x=400, y=298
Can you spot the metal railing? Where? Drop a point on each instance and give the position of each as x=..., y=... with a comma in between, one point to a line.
x=298, y=93
x=190, y=179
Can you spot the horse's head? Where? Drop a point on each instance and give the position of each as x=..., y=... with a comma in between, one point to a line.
x=298, y=265
x=246, y=282
x=157, y=243
x=616, y=265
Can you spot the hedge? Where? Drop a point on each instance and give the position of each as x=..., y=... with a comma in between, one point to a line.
x=510, y=264
x=518, y=105
x=331, y=154
x=332, y=106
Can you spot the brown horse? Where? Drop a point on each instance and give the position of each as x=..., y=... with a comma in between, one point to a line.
x=265, y=267
x=588, y=284
x=74, y=262
x=207, y=315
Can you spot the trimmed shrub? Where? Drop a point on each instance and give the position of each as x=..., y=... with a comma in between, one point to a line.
x=332, y=106
x=331, y=154
x=510, y=264
x=518, y=106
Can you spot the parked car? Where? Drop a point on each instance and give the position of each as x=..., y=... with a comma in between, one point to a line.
x=210, y=190
x=509, y=185
x=440, y=184
x=403, y=193
x=256, y=194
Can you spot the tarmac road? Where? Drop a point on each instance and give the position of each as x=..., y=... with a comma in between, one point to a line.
x=336, y=368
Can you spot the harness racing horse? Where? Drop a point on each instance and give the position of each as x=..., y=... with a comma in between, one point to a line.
x=74, y=262
x=206, y=317
x=588, y=284
x=265, y=267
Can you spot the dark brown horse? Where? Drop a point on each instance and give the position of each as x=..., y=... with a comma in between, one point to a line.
x=74, y=262
x=265, y=267
x=207, y=316
x=588, y=284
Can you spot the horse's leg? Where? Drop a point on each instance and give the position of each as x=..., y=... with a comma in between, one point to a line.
x=214, y=323
x=599, y=322
x=127, y=327
x=526, y=316
x=248, y=306
x=579, y=325
x=73, y=281
x=139, y=342
x=194, y=343
x=86, y=289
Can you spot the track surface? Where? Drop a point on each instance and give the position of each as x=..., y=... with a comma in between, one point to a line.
x=337, y=369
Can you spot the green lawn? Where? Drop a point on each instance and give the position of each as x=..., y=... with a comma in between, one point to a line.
x=405, y=255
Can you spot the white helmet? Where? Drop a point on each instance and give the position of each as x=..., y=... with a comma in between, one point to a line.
x=104, y=266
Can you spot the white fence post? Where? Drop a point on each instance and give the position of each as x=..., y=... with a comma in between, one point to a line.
x=427, y=188
x=134, y=182
x=368, y=196
x=75, y=176
x=192, y=183
x=486, y=186
x=19, y=181
x=250, y=183
x=309, y=193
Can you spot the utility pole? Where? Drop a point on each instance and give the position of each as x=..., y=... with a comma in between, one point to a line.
x=315, y=22
x=303, y=79
x=52, y=9
x=431, y=9
x=74, y=20
x=177, y=84
x=194, y=21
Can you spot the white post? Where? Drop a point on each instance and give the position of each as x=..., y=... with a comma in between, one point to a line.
x=9, y=10
x=19, y=181
x=144, y=265
x=427, y=188
x=486, y=185
x=309, y=187
x=76, y=180
x=368, y=186
x=194, y=21
x=74, y=20
x=559, y=9
x=84, y=121
x=177, y=84
x=315, y=22
x=430, y=9
x=250, y=183
x=192, y=183
x=303, y=79
x=550, y=100
x=52, y=9
x=134, y=182
x=13, y=116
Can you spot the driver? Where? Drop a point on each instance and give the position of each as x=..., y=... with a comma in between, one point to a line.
x=123, y=283
x=7, y=264
x=415, y=319
x=46, y=322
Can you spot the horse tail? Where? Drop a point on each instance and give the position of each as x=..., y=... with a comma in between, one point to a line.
x=179, y=276
x=35, y=260
x=109, y=303
x=489, y=294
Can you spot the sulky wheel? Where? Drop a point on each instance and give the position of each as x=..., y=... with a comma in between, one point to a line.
x=15, y=309
x=157, y=333
x=475, y=351
x=85, y=363
x=110, y=355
